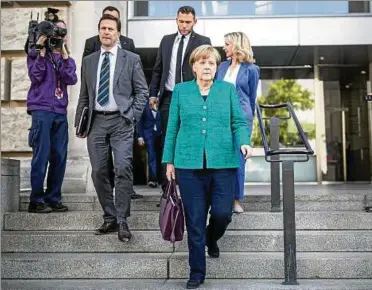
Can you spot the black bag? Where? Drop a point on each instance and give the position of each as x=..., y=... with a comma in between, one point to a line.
x=81, y=129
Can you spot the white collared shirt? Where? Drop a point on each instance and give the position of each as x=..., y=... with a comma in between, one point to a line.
x=111, y=105
x=171, y=81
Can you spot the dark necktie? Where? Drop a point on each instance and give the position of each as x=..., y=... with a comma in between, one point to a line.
x=179, y=60
x=104, y=81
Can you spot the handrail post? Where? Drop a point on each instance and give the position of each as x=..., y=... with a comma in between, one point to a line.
x=289, y=223
x=275, y=166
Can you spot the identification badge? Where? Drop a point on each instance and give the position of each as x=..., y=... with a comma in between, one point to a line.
x=59, y=93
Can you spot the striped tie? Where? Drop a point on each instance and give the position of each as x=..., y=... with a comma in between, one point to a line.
x=104, y=81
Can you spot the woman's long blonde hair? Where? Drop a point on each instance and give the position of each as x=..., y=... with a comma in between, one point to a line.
x=241, y=46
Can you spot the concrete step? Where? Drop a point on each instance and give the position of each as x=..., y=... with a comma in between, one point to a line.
x=175, y=266
x=151, y=241
x=142, y=220
x=319, y=202
x=216, y=284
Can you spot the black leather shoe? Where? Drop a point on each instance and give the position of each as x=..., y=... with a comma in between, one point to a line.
x=136, y=196
x=152, y=184
x=193, y=284
x=59, y=207
x=107, y=228
x=39, y=207
x=124, y=234
x=213, y=249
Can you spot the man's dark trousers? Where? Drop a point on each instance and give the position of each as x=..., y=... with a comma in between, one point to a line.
x=153, y=144
x=112, y=131
x=164, y=116
x=201, y=189
x=48, y=138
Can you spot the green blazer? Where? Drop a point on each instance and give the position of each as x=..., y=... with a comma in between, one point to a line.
x=213, y=126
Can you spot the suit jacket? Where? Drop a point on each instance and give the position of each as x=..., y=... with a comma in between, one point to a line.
x=160, y=71
x=147, y=123
x=246, y=86
x=93, y=44
x=130, y=87
x=213, y=126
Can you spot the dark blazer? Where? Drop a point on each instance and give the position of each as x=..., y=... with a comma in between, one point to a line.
x=161, y=68
x=146, y=124
x=129, y=86
x=246, y=86
x=93, y=44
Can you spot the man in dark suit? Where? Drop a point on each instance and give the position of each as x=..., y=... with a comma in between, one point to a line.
x=92, y=45
x=172, y=65
x=149, y=134
x=114, y=89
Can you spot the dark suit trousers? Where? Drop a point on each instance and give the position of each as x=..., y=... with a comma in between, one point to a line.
x=164, y=115
x=112, y=131
x=201, y=190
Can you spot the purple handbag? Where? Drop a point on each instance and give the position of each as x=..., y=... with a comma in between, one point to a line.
x=171, y=217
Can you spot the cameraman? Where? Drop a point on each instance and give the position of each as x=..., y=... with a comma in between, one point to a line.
x=50, y=70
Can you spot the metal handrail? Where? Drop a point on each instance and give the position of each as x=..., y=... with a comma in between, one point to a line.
x=271, y=152
x=272, y=155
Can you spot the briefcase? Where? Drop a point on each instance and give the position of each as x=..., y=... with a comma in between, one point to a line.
x=81, y=129
x=171, y=217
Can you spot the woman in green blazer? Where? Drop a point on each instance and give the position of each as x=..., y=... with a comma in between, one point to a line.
x=205, y=122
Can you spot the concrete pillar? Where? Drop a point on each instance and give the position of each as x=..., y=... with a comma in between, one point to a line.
x=10, y=185
x=320, y=136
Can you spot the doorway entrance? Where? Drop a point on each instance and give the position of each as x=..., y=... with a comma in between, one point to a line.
x=346, y=121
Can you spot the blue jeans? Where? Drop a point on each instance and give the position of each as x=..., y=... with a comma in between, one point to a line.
x=201, y=189
x=48, y=138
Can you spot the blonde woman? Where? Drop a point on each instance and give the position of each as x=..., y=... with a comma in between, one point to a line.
x=205, y=122
x=241, y=71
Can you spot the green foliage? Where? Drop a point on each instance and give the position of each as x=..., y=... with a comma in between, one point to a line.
x=285, y=91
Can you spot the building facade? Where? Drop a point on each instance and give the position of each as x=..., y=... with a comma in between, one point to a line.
x=325, y=46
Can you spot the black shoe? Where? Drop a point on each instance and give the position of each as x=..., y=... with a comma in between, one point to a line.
x=193, y=284
x=39, y=207
x=124, y=234
x=153, y=184
x=136, y=196
x=107, y=228
x=58, y=207
x=213, y=249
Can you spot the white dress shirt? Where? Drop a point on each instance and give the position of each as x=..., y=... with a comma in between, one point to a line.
x=171, y=81
x=111, y=106
x=231, y=76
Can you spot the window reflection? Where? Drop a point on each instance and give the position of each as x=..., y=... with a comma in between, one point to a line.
x=251, y=8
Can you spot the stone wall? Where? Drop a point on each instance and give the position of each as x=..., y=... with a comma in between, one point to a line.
x=15, y=123
x=20, y=81
x=14, y=24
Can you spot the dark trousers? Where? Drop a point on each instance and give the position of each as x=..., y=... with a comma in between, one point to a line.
x=112, y=131
x=164, y=115
x=48, y=138
x=153, y=149
x=201, y=190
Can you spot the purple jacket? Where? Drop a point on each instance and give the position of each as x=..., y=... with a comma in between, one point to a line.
x=41, y=95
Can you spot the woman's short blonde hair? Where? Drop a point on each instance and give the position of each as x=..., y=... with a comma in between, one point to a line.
x=241, y=46
x=204, y=51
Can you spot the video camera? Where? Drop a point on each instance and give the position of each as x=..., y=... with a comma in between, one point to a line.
x=48, y=28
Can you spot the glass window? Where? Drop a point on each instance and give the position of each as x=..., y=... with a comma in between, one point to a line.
x=250, y=8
